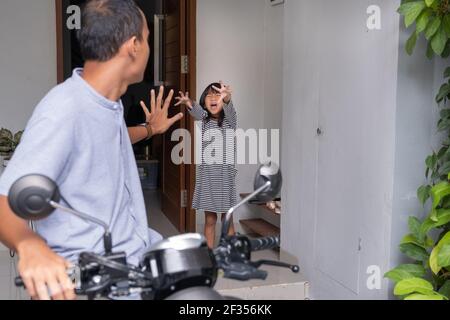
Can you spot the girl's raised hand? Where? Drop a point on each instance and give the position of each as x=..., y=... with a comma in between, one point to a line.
x=184, y=99
x=225, y=92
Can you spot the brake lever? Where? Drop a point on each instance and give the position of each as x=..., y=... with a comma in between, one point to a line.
x=257, y=264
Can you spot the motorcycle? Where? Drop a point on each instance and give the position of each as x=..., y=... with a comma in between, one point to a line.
x=177, y=268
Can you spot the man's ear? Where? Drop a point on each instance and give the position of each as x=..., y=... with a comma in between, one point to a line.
x=132, y=47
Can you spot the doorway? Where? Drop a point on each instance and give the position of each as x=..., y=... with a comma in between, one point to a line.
x=172, y=23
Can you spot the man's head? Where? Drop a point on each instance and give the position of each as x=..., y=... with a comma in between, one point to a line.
x=115, y=29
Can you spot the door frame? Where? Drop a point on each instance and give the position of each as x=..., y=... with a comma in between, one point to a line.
x=191, y=48
x=191, y=38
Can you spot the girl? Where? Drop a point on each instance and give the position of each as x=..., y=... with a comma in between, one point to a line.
x=215, y=189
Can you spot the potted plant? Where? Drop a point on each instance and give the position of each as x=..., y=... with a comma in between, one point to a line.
x=8, y=144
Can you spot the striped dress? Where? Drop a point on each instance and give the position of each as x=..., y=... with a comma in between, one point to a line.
x=215, y=187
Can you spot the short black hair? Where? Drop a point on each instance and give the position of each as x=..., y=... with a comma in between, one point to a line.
x=210, y=89
x=106, y=25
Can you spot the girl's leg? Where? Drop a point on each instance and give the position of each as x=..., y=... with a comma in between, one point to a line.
x=231, y=231
x=210, y=228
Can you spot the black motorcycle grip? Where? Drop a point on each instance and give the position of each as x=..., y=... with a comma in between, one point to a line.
x=266, y=243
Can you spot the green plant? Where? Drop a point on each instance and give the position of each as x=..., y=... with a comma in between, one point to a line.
x=428, y=244
x=430, y=18
x=8, y=141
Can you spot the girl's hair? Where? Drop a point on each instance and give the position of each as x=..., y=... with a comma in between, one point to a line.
x=208, y=90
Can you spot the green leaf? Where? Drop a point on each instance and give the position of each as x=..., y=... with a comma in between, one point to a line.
x=443, y=124
x=444, y=150
x=5, y=133
x=18, y=137
x=443, y=217
x=447, y=73
x=425, y=297
x=431, y=161
x=445, y=289
x=414, y=226
x=424, y=193
x=438, y=192
x=397, y=275
x=430, y=52
x=429, y=242
x=445, y=169
x=444, y=91
x=414, y=251
x=446, y=24
x=446, y=52
x=444, y=256
x=432, y=27
x=411, y=43
x=439, y=41
x=411, y=11
x=434, y=264
x=410, y=238
x=445, y=113
x=423, y=20
x=434, y=215
x=435, y=175
x=413, y=285
x=429, y=3
x=416, y=270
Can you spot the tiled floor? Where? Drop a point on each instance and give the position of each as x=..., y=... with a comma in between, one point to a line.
x=156, y=218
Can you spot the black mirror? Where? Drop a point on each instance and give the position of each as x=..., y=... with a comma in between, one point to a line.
x=30, y=196
x=268, y=172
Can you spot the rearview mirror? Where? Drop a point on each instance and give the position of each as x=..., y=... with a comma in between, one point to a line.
x=30, y=197
x=269, y=172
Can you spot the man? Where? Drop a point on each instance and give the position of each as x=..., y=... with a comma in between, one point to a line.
x=77, y=137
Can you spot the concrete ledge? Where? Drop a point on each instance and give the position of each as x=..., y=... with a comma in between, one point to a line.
x=291, y=291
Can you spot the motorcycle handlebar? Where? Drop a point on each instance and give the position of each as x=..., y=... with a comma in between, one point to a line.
x=266, y=243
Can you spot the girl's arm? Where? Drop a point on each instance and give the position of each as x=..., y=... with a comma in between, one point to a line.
x=228, y=108
x=197, y=112
x=230, y=113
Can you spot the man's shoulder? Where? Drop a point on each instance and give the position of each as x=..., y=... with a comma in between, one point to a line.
x=60, y=102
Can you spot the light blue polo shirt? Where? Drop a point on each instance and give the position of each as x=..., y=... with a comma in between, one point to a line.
x=79, y=139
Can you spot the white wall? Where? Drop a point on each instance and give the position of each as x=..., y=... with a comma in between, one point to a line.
x=27, y=58
x=342, y=78
x=27, y=72
x=273, y=65
x=240, y=42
